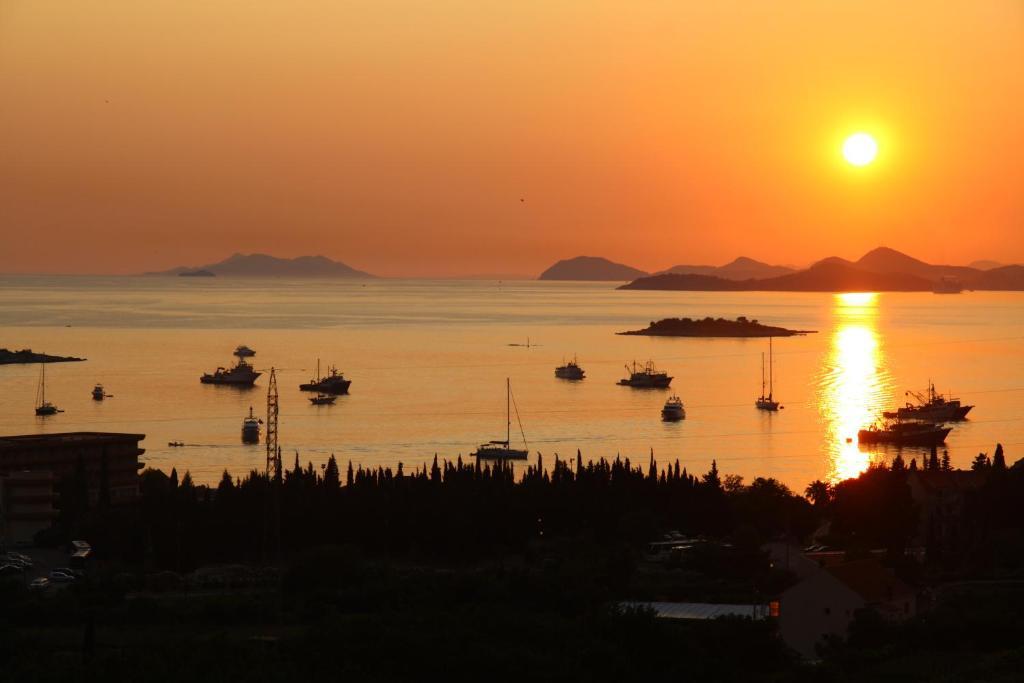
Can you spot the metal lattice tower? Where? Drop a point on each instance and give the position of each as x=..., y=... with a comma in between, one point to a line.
x=273, y=462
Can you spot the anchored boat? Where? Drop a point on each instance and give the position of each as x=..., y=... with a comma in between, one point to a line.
x=44, y=407
x=901, y=433
x=251, y=428
x=673, y=410
x=502, y=450
x=323, y=399
x=645, y=377
x=570, y=370
x=767, y=402
x=98, y=393
x=332, y=383
x=932, y=406
x=242, y=374
x=243, y=351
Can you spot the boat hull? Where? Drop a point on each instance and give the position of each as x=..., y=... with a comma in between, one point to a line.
x=947, y=413
x=500, y=453
x=646, y=382
x=767, y=404
x=935, y=437
x=336, y=386
x=672, y=415
x=561, y=373
x=232, y=381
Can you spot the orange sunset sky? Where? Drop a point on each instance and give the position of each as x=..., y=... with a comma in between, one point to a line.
x=401, y=137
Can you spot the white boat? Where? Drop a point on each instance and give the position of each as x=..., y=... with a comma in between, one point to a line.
x=767, y=402
x=673, y=410
x=502, y=450
x=251, y=428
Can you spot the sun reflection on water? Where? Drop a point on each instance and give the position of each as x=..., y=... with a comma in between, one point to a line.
x=854, y=382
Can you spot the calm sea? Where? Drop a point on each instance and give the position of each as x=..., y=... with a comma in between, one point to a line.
x=428, y=362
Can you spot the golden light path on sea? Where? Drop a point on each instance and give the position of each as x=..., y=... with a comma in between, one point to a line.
x=855, y=382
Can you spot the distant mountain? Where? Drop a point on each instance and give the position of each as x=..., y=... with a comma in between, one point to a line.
x=824, y=276
x=985, y=264
x=1006, y=278
x=885, y=260
x=742, y=268
x=590, y=268
x=262, y=265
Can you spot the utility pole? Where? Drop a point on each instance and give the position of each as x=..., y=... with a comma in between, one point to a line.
x=272, y=508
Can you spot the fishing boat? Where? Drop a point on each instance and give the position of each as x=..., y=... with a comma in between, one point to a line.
x=242, y=374
x=243, y=351
x=502, y=450
x=645, y=377
x=332, y=383
x=323, y=399
x=175, y=444
x=44, y=407
x=900, y=433
x=767, y=402
x=251, y=428
x=673, y=410
x=931, y=406
x=570, y=370
x=98, y=393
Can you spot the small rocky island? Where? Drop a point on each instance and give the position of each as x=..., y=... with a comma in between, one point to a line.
x=8, y=357
x=197, y=273
x=714, y=327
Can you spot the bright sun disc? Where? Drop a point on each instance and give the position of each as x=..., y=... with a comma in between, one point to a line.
x=860, y=149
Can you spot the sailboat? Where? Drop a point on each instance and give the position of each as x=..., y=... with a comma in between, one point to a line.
x=44, y=407
x=767, y=402
x=502, y=450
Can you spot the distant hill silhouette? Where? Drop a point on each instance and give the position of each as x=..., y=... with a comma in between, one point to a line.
x=262, y=265
x=985, y=264
x=880, y=270
x=590, y=268
x=742, y=268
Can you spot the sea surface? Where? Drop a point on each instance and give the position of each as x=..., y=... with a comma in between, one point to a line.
x=428, y=362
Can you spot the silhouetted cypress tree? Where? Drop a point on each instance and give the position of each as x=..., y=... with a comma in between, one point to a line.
x=332, y=478
x=945, y=461
x=998, y=460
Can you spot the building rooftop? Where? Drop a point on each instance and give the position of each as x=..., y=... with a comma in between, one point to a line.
x=66, y=439
x=701, y=610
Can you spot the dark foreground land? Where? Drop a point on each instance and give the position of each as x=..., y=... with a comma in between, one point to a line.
x=714, y=327
x=8, y=357
x=466, y=573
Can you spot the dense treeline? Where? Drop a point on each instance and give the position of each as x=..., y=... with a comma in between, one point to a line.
x=450, y=511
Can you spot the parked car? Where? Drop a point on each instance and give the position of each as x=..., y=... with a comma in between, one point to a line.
x=41, y=583
x=19, y=556
x=61, y=577
x=10, y=570
x=80, y=545
x=69, y=571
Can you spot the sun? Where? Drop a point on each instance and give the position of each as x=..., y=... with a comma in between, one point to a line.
x=860, y=149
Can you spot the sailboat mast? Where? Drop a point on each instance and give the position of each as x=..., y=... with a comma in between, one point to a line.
x=42, y=384
x=771, y=369
x=762, y=374
x=508, y=412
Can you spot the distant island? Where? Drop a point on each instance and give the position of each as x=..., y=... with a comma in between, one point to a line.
x=880, y=270
x=741, y=268
x=262, y=265
x=592, y=268
x=714, y=327
x=8, y=357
